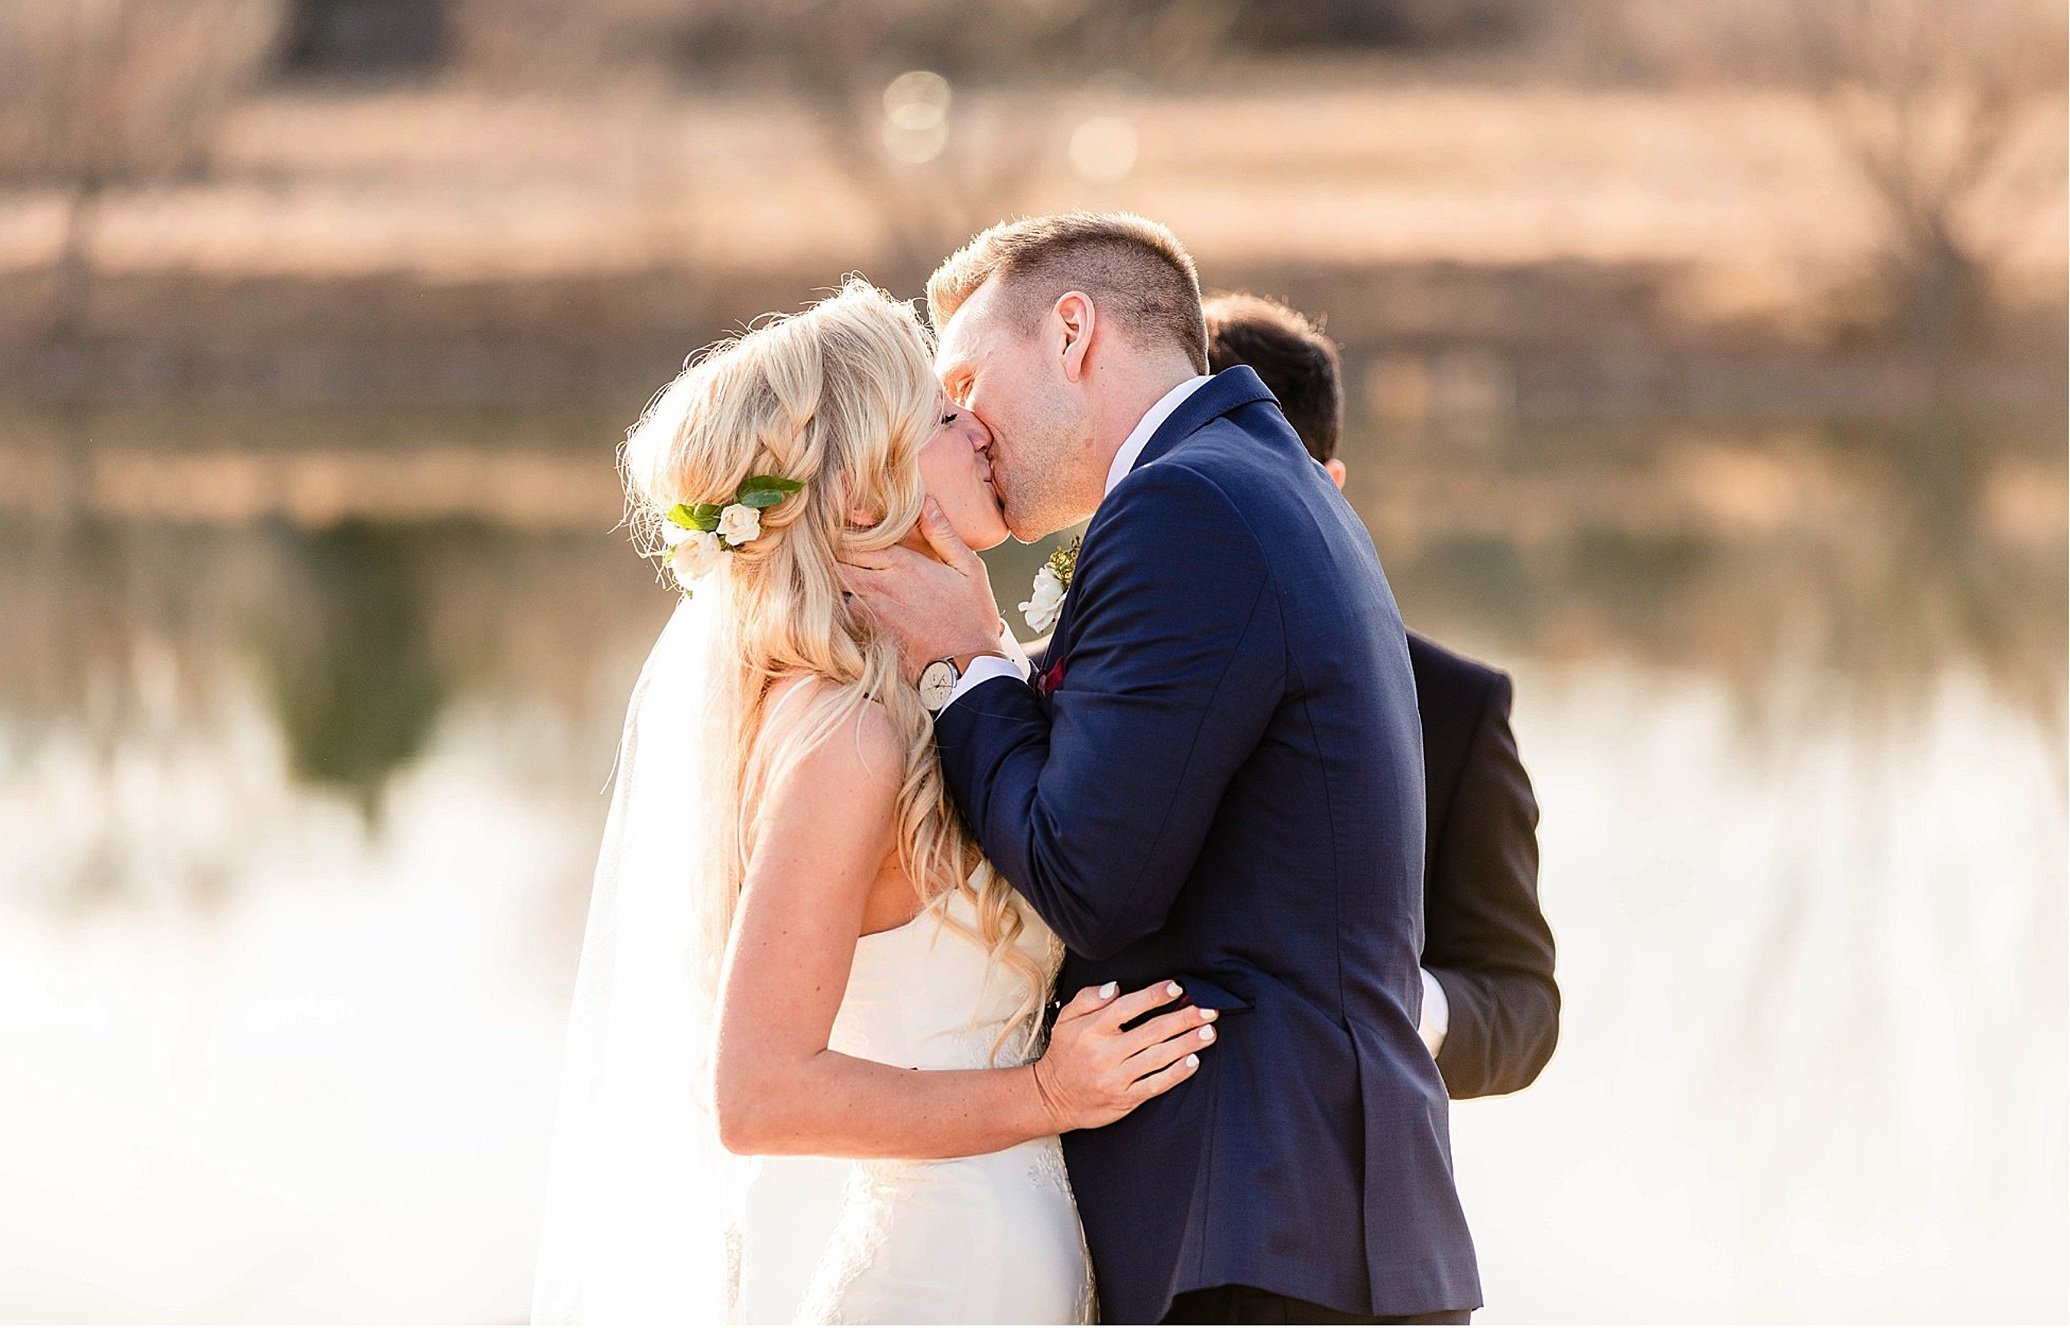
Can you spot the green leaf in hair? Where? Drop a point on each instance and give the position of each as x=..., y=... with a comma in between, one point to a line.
x=762, y=491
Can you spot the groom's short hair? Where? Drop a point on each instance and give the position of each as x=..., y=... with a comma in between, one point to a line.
x=1131, y=266
x=1291, y=356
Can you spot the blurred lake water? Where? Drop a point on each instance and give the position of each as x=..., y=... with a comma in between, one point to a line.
x=307, y=719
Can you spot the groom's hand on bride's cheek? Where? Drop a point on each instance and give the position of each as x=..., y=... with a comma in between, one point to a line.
x=934, y=608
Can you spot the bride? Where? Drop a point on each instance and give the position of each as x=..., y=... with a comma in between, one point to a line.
x=794, y=947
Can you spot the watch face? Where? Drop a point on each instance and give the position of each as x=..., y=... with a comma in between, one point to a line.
x=937, y=684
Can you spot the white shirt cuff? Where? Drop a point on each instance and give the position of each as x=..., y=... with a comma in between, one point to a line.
x=1437, y=1012
x=983, y=669
x=1014, y=652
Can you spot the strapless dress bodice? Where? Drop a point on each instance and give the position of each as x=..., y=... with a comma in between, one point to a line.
x=926, y=996
x=987, y=1239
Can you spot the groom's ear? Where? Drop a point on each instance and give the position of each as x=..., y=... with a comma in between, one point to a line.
x=1073, y=312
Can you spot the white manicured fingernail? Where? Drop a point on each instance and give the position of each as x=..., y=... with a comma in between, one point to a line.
x=1192, y=1061
x=1210, y=1016
x=1173, y=989
x=1107, y=992
x=1207, y=1035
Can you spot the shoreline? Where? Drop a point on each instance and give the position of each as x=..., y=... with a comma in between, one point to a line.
x=1422, y=342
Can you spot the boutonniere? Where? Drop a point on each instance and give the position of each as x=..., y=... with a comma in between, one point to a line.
x=1051, y=581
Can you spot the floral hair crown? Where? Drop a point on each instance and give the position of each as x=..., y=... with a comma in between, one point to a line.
x=698, y=533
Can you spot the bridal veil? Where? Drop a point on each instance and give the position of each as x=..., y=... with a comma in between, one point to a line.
x=642, y=1219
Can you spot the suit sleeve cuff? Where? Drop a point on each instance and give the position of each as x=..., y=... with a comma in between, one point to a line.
x=983, y=669
x=1437, y=1012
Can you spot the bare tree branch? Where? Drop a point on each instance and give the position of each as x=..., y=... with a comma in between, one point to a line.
x=95, y=93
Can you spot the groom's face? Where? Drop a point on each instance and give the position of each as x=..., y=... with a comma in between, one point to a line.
x=995, y=362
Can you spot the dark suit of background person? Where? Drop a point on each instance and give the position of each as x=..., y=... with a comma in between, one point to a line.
x=1486, y=942
x=1219, y=780
x=1484, y=938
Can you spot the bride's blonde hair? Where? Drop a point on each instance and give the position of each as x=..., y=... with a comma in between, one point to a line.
x=841, y=398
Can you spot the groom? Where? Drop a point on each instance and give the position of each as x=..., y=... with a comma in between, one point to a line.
x=1218, y=780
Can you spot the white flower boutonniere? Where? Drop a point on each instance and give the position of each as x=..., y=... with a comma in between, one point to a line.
x=1051, y=582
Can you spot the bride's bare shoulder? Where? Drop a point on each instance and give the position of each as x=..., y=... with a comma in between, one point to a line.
x=828, y=729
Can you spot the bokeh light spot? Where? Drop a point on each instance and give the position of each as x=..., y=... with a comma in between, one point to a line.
x=1104, y=148
x=917, y=100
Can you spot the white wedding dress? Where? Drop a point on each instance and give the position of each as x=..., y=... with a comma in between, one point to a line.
x=987, y=1239
x=646, y=1217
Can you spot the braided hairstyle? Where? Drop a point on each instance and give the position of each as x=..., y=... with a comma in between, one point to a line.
x=840, y=397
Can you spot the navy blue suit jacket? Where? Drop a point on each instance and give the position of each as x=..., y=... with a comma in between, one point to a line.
x=1226, y=786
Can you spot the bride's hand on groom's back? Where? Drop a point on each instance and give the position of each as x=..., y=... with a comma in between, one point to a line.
x=1098, y=1070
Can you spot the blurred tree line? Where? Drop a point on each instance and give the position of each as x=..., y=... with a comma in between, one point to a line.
x=100, y=93
x=1924, y=97
x=960, y=38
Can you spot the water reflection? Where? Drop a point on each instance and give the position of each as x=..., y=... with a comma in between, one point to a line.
x=1875, y=557
x=1867, y=561
x=350, y=663
x=300, y=804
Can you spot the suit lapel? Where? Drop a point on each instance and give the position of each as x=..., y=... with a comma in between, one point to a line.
x=1229, y=390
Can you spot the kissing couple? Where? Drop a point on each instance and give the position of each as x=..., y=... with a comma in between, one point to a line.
x=860, y=843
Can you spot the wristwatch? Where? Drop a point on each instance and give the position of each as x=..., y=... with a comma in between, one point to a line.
x=938, y=680
x=938, y=683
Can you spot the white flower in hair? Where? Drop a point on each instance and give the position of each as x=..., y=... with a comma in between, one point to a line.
x=694, y=535
x=692, y=553
x=739, y=523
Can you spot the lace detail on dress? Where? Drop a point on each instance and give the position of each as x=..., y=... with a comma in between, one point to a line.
x=1046, y=1168
x=972, y=1045
x=736, y=1244
x=1053, y=961
x=1089, y=1293
x=859, y=1238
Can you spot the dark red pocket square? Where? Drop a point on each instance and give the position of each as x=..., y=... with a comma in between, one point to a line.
x=1051, y=680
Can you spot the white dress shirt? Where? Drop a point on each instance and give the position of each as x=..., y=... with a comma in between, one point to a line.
x=1437, y=1009
x=1437, y=1013
x=1153, y=419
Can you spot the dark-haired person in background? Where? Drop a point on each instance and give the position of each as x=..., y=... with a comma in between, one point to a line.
x=1491, y=1010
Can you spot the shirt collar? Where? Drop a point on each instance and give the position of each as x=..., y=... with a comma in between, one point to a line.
x=1139, y=437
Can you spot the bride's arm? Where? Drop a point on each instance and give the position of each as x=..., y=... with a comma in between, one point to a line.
x=777, y=1087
